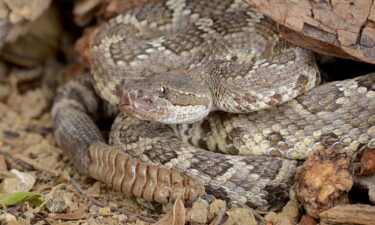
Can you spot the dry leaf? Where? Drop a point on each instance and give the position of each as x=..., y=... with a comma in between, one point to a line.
x=324, y=179
x=19, y=197
x=176, y=216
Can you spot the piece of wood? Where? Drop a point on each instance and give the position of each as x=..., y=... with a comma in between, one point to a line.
x=357, y=214
x=344, y=28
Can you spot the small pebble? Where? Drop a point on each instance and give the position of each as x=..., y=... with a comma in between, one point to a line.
x=215, y=208
x=198, y=212
x=240, y=216
x=21, y=182
x=105, y=211
x=307, y=220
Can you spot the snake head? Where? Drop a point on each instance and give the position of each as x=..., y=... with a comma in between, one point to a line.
x=166, y=99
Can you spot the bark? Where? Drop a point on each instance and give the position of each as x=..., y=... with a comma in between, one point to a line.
x=344, y=28
x=356, y=214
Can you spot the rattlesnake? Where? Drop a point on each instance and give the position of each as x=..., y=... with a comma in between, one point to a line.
x=178, y=61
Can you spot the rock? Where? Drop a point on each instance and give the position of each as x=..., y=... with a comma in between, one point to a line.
x=288, y=216
x=38, y=43
x=105, y=211
x=32, y=103
x=21, y=182
x=16, y=16
x=25, y=9
x=198, y=212
x=60, y=201
x=240, y=216
x=8, y=219
x=215, y=208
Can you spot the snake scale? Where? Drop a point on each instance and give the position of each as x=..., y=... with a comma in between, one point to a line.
x=225, y=81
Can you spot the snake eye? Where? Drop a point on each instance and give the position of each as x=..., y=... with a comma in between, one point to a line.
x=162, y=91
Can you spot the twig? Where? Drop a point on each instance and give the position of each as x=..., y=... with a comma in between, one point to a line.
x=120, y=210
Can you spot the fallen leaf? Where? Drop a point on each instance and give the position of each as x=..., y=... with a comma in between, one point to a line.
x=19, y=197
x=176, y=216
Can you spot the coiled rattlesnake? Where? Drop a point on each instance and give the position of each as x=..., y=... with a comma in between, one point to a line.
x=175, y=62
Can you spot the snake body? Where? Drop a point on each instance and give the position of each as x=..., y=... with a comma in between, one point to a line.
x=176, y=61
x=189, y=61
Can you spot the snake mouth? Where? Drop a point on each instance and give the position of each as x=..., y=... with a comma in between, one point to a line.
x=131, y=111
x=141, y=106
x=144, y=106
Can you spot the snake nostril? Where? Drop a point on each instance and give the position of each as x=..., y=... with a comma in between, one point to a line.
x=138, y=93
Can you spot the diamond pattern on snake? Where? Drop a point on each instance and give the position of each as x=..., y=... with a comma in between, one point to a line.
x=190, y=76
